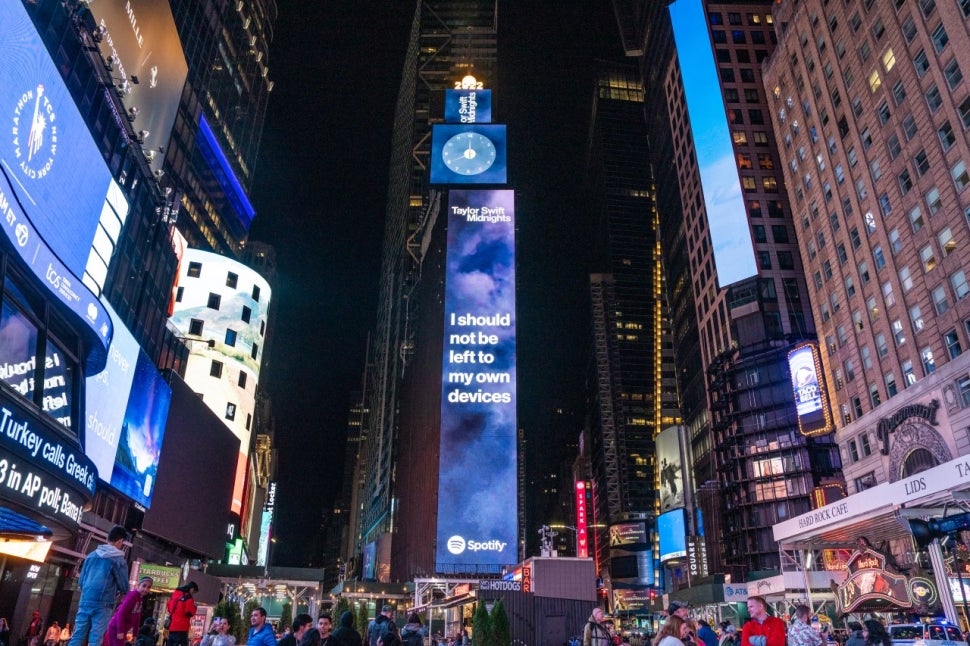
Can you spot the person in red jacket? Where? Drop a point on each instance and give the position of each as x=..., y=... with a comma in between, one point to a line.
x=181, y=609
x=128, y=615
x=762, y=629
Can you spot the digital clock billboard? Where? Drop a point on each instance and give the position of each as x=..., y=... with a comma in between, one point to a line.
x=477, y=488
x=468, y=154
x=811, y=403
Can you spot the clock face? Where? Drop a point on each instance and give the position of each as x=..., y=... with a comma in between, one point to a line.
x=468, y=153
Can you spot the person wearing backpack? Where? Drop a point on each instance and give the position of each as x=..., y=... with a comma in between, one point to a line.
x=181, y=609
x=381, y=624
x=413, y=633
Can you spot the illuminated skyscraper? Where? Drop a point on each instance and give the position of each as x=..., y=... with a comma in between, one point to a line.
x=635, y=393
x=449, y=39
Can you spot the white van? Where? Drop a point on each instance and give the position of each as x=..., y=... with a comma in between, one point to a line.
x=934, y=634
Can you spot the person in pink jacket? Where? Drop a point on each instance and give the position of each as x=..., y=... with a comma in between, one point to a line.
x=128, y=615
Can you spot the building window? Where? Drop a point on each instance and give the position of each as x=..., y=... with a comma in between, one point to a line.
x=933, y=98
x=215, y=370
x=916, y=316
x=960, y=286
x=890, y=380
x=256, y=293
x=940, y=301
x=230, y=337
x=866, y=355
x=243, y=378
x=853, y=451
x=952, y=344
x=909, y=127
x=882, y=348
x=959, y=174
x=874, y=398
x=230, y=411
x=247, y=314
x=895, y=241
x=857, y=406
x=933, y=200
x=909, y=377
x=215, y=300
x=964, y=109
x=953, y=74
x=195, y=270
x=232, y=279
x=921, y=62
x=255, y=351
x=947, y=242
x=899, y=334
x=906, y=279
x=927, y=257
x=921, y=162
x=963, y=385
x=926, y=7
x=178, y=294
x=878, y=257
x=947, y=137
x=195, y=327
x=929, y=363
x=887, y=294
x=940, y=38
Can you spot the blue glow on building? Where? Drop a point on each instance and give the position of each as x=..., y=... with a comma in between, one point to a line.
x=222, y=170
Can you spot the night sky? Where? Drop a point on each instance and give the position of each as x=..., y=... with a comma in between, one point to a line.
x=320, y=191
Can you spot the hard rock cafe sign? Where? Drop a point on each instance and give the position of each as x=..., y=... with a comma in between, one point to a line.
x=870, y=587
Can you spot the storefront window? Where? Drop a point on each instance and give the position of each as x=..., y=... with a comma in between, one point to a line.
x=22, y=335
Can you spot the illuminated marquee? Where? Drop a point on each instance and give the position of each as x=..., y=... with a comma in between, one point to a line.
x=869, y=587
x=477, y=487
x=582, y=540
x=811, y=402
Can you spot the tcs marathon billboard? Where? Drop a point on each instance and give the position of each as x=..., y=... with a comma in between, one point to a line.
x=477, y=520
x=61, y=210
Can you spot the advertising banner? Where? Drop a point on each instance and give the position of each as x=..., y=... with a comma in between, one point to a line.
x=723, y=198
x=468, y=106
x=627, y=600
x=126, y=408
x=468, y=154
x=164, y=577
x=477, y=488
x=582, y=537
x=627, y=534
x=673, y=535
x=671, y=469
x=143, y=53
x=41, y=471
x=811, y=402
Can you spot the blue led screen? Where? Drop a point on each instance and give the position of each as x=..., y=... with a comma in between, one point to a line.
x=468, y=154
x=477, y=488
x=468, y=106
x=673, y=534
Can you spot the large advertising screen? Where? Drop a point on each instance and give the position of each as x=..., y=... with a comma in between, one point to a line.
x=723, y=198
x=190, y=506
x=126, y=408
x=468, y=154
x=53, y=181
x=673, y=535
x=628, y=534
x=811, y=402
x=671, y=468
x=477, y=489
x=468, y=106
x=143, y=52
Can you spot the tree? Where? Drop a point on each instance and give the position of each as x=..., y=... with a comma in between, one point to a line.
x=482, y=626
x=501, y=632
x=362, y=619
x=342, y=606
x=286, y=615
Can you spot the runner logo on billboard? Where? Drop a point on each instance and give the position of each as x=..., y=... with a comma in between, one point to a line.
x=34, y=132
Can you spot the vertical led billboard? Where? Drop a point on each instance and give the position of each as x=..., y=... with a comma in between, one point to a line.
x=468, y=106
x=582, y=537
x=723, y=199
x=144, y=58
x=671, y=469
x=477, y=488
x=468, y=154
x=811, y=402
x=126, y=409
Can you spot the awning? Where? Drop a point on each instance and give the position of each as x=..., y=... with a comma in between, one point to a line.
x=14, y=525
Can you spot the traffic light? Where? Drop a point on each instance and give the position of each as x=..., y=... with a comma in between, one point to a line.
x=924, y=531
